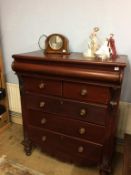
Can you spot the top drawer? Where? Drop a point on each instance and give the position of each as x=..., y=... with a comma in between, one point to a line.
x=44, y=86
x=86, y=92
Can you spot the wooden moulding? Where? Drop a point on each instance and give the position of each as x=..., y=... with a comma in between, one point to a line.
x=64, y=66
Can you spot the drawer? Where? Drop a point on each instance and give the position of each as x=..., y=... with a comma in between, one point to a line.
x=86, y=92
x=52, y=142
x=71, y=109
x=76, y=128
x=44, y=86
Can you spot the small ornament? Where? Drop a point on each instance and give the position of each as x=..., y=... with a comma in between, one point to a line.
x=108, y=49
x=93, y=44
x=103, y=51
x=112, y=47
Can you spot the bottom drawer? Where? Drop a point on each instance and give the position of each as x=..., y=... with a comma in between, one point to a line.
x=66, y=148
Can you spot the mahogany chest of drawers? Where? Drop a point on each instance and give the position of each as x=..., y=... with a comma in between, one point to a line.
x=70, y=105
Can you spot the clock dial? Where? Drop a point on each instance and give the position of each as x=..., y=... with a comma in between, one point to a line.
x=56, y=42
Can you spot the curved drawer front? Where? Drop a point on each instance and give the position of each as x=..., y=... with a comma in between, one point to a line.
x=76, y=128
x=72, y=109
x=85, y=92
x=54, y=142
x=43, y=86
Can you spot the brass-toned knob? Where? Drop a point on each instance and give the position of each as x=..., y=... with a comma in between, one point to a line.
x=42, y=104
x=83, y=92
x=43, y=120
x=80, y=149
x=82, y=131
x=61, y=102
x=82, y=112
x=41, y=85
x=44, y=138
x=113, y=103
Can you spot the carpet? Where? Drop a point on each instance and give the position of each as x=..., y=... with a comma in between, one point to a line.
x=9, y=167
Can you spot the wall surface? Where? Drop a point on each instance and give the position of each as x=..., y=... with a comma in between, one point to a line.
x=22, y=23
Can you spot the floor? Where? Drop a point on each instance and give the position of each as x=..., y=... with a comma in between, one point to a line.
x=11, y=145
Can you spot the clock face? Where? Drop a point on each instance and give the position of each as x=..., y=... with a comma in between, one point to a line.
x=56, y=42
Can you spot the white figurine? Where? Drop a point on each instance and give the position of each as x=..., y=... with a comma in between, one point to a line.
x=108, y=49
x=104, y=52
x=93, y=44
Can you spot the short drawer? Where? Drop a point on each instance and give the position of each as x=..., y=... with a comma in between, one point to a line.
x=96, y=114
x=75, y=128
x=52, y=142
x=43, y=86
x=85, y=92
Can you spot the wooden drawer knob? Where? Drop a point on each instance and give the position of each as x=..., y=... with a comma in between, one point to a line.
x=82, y=131
x=42, y=104
x=83, y=92
x=43, y=120
x=41, y=85
x=80, y=149
x=82, y=112
x=44, y=138
x=113, y=103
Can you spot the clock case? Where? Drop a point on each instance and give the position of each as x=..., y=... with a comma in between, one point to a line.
x=64, y=49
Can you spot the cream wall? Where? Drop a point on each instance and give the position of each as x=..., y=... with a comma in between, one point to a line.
x=22, y=22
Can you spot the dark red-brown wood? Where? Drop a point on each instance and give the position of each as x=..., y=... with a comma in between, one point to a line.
x=127, y=155
x=70, y=105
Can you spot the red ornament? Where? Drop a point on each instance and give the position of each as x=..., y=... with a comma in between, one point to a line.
x=112, y=47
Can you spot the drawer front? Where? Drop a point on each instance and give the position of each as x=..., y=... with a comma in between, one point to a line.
x=54, y=142
x=66, y=126
x=88, y=93
x=43, y=86
x=82, y=111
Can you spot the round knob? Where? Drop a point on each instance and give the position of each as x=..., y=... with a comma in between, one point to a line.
x=82, y=130
x=61, y=102
x=80, y=149
x=82, y=112
x=113, y=103
x=42, y=104
x=44, y=138
x=83, y=92
x=43, y=121
x=41, y=85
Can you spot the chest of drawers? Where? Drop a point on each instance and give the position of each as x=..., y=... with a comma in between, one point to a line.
x=70, y=105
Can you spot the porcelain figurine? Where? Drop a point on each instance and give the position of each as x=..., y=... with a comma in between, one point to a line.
x=112, y=47
x=103, y=52
x=93, y=44
x=108, y=49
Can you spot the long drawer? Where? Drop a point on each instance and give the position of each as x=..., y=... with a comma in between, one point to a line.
x=52, y=142
x=73, y=109
x=76, y=128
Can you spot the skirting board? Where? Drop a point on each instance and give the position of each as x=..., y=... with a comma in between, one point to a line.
x=124, y=124
x=17, y=119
